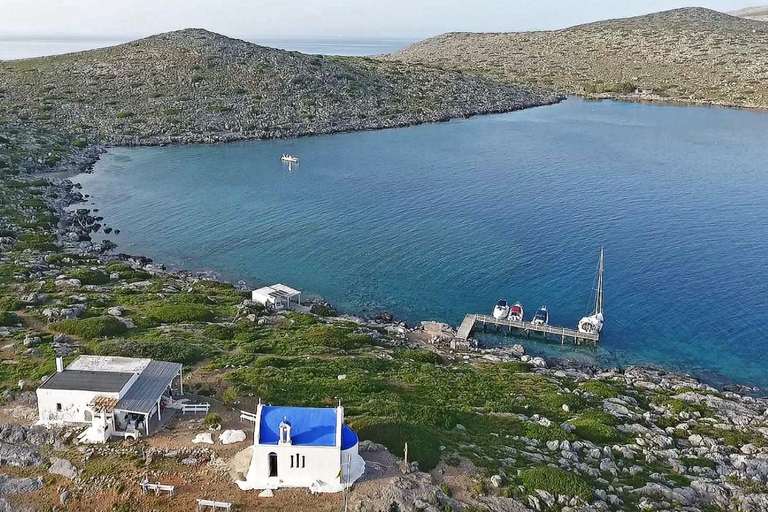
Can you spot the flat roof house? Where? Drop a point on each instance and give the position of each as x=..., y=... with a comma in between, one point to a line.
x=278, y=296
x=114, y=395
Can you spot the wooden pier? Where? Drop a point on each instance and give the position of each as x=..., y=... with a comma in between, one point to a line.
x=471, y=322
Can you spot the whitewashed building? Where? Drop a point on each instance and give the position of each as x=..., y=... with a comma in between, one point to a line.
x=302, y=447
x=278, y=296
x=114, y=395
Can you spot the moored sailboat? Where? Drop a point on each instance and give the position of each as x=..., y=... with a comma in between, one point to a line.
x=593, y=323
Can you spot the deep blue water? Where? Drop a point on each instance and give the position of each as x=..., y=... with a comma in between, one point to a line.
x=435, y=221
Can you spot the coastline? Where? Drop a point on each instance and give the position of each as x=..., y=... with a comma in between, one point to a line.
x=108, y=251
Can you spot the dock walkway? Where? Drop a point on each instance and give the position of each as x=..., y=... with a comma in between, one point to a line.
x=471, y=321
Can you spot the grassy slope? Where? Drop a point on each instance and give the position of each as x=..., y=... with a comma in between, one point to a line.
x=685, y=54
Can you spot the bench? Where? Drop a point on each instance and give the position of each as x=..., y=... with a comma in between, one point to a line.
x=201, y=504
x=195, y=408
x=157, y=488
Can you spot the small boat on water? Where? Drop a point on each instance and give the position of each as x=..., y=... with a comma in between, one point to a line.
x=541, y=317
x=289, y=158
x=516, y=312
x=501, y=310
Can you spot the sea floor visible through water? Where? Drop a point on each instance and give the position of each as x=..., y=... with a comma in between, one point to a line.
x=436, y=221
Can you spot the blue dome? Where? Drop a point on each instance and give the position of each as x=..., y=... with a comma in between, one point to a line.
x=348, y=438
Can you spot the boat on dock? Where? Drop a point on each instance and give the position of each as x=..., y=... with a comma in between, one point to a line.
x=517, y=313
x=541, y=317
x=593, y=323
x=501, y=310
x=511, y=320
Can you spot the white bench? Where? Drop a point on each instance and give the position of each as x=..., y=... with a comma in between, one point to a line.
x=195, y=408
x=201, y=504
x=157, y=488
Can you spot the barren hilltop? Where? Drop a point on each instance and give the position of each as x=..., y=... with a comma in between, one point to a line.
x=689, y=55
x=195, y=86
x=752, y=13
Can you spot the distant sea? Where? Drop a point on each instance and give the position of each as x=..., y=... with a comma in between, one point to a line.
x=18, y=48
x=436, y=221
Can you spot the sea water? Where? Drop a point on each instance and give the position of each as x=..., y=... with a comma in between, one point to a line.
x=436, y=221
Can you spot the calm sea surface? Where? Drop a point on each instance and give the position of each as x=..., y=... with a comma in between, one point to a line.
x=27, y=48
x=436, y=221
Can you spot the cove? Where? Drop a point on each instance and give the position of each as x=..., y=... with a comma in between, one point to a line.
x=436, y=221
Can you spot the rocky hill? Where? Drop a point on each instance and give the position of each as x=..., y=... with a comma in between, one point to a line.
x=691, y=55
x=752, y=13
x=194, y=85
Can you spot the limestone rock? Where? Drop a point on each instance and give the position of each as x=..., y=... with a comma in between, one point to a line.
x=63, y=467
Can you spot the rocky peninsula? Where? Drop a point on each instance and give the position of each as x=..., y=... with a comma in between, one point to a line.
x=197, y=86
x=486, y=429
x=690, y=55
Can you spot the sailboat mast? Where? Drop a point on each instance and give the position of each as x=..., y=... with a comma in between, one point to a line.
x=599, y=295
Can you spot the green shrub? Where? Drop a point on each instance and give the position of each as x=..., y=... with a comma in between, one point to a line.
x=229, y=396
x=600, y=388
x=423, y=445
x=213, y=419
x=10, y=304
x=219, y=332
x=8, y=318
x=555, y=481
x=127, y=272
x=175, y=351
x=419, y=356
x=88, y=276
x=597, y=426
x=91, y=328
x=178, y=313
x=124, y=115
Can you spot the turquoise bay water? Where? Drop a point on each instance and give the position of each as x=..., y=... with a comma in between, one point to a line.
x=435, y=221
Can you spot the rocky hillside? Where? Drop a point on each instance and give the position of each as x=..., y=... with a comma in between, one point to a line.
x=752, y=13
x=692, y=55
x=193, y=85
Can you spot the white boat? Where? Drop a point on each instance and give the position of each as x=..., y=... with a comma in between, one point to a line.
x=501, y=310
x=541, y=317
x=289, y=158
x=516, y=312
x=593, y=323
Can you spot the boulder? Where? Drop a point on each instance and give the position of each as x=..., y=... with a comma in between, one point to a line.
x=204, y=437
x=232, y=436
x=63, y=467
x=266, y=493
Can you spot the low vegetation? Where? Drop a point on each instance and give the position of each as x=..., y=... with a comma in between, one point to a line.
x=689, y=55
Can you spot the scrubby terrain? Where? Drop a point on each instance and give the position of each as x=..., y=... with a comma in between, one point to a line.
x=752, y=13
x=486, y=430
x=197, y=86
x=690, y=55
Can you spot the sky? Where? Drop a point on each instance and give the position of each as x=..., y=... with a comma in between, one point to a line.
x=122, y=19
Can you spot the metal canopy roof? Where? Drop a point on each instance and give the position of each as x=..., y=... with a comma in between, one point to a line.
x=279, y=291
x=80, y=380
x=142, y=396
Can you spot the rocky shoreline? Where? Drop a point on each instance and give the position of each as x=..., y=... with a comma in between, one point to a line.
x=686, y=445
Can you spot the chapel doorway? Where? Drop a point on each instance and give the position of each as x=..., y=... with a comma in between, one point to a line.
x=272, y=464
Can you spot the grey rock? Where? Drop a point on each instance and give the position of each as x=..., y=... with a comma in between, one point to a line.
x=63, y=467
